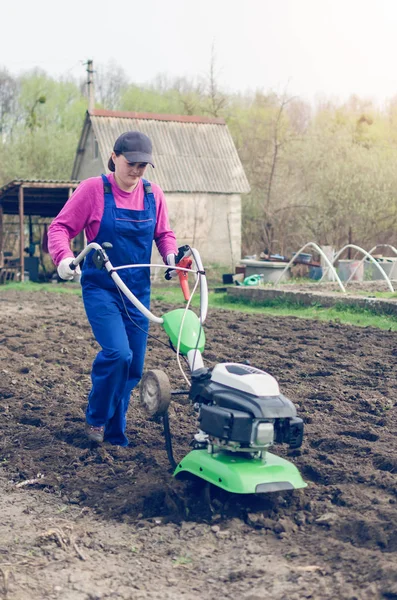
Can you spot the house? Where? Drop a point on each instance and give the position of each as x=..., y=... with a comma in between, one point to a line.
x=197, y=166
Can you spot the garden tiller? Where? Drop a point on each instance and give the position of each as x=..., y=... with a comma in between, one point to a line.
x=241, y=412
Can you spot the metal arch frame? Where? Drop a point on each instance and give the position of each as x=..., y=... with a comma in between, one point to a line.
x=366, y=255
x=383, y=246
x=325, y=257
x=370, y=252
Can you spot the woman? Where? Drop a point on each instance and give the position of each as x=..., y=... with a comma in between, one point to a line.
x=129, y=212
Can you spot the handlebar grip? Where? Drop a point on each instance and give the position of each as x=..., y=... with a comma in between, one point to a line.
x=183, y=251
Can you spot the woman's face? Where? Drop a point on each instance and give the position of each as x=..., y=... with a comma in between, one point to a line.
x=127, y=174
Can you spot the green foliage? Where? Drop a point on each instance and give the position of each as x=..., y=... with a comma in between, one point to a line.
x=42, y=141
x=140, y=99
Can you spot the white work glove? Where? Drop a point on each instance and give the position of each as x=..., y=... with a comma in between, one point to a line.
x=170, y=273
x=171, y=260
x=66, y=273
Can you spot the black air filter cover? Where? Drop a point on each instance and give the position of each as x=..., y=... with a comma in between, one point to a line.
x=226, y=424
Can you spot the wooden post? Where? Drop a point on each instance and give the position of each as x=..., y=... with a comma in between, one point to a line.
x=21, y=233
x=90, y=85
x=1, y=238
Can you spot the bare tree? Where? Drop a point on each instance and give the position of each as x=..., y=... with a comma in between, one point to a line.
x=110, y=81
x=217, y=100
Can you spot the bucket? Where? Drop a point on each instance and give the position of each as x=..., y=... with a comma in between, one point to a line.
x=315, y=273
x=347, y=267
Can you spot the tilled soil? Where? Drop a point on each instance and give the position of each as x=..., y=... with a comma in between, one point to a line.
x=82, y=522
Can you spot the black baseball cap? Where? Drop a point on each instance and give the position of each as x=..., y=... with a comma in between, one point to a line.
x=135, y=146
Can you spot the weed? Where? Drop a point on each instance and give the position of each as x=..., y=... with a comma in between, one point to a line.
x=182, y=560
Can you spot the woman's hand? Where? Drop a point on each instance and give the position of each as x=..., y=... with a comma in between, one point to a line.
x=65, y=272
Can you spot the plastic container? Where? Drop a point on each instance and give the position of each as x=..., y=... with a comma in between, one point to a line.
x=348, y=267
x=303, y=257
x=388, y=264
x=271, y=271
x=315, y=273
x=227, y=278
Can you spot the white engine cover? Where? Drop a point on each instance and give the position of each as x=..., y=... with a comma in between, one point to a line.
x=245, y=379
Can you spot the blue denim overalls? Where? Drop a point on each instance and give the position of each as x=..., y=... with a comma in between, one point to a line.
x=118, y=367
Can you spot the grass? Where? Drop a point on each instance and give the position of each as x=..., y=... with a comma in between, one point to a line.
x=282, y=308
x=374, y=294
x=30, y=286
x=339, y=314
x=278, y=307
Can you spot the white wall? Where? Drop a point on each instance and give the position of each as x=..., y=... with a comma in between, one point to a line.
x=209, y=222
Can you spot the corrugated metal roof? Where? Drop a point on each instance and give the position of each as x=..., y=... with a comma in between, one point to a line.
x=23, y=182
x=99, y=112
x=40, y=197
x=191, y=154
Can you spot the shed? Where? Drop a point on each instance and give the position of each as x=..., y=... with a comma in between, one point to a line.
x=197, y=166
x=28, y=198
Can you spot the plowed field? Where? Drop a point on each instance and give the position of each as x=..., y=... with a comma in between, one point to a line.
x=80, y=522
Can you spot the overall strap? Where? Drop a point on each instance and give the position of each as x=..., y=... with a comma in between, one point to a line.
x=147, y=186
x=107, y=188
x=149, y=196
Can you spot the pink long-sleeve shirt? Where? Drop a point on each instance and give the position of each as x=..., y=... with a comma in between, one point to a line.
x=84, y=210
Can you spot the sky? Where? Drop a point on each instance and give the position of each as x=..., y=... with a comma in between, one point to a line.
x=307, y=48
